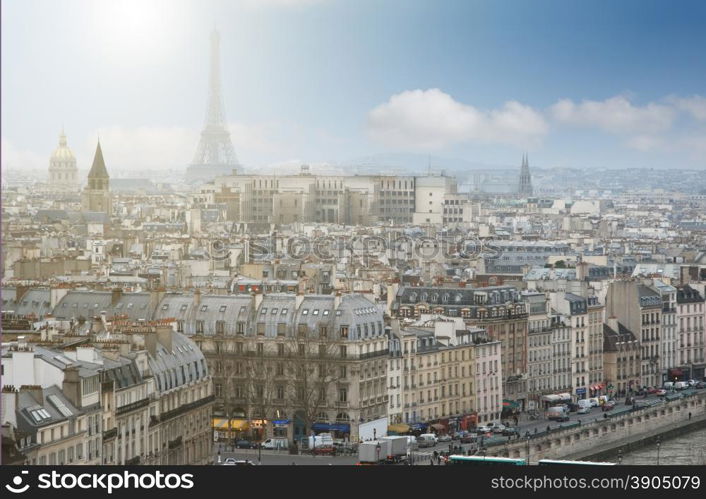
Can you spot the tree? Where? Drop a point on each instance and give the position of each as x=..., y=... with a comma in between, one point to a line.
x=316, y=365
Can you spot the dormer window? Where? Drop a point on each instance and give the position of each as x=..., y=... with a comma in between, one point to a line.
x=204, y=308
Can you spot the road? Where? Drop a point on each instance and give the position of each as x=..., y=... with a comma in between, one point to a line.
x=420, y=456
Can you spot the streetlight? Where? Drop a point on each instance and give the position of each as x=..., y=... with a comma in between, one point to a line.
x=658, y=445
x=377, y=450
x=620, y=456
x=528, y=448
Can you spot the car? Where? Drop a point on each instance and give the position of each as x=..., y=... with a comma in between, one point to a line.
x=594, y=402
x=700, y=384
x=498, y=428
x=485, y=429
x=510, y=432
x=469, y=438
x=608, y=406
x=444, y=438
x=692, y=382
x=584, y=410
x=652, y=390
x=661, y=392
x=231, y=461
x=245, y=444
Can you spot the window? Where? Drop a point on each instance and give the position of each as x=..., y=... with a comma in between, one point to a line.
x=344, y=331
x=305, y=311
x=301, y=330
x=315, y=312
x=284, y=311
x=302, y=350
x=326, y=312
x=261, y=328
x=343, y=395
x=220, y=327
x=344, y=351
x=280, y=369
x=280, y=349
x=323, y=331
x=260, y=348
x=184, y=307
x=342, y=372
x=203, y=307
x=274, y=311
x=223, y=308
x=199, y=327
x=264, y=311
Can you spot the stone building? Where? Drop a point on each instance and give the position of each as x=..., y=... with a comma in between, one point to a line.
x=63, y=173
x=96, y=195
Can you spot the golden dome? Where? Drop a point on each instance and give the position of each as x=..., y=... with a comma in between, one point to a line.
x=62, y=153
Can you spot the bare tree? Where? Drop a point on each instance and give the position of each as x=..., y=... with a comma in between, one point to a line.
x=315, y=367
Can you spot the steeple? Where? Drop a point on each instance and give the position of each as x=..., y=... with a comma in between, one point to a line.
x=525, y=185
x=98, y=169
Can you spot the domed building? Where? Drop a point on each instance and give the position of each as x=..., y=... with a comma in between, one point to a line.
x=63, y=173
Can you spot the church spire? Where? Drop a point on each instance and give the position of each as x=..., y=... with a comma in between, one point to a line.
x=98, y=169
x=525, y=186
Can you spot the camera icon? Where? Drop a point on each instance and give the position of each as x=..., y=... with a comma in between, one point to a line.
x=16, y=487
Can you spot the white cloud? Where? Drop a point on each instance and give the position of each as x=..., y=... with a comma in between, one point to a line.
x=432, y=119
x=615, y=115
x=694, y=105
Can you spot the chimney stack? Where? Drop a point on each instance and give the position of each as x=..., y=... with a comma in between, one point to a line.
x=197, y=297
x=72, y=385
x=116, y=295
x=164, y=336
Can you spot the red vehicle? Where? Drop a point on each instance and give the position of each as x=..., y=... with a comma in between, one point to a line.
x=608, y=406
x=651, y=390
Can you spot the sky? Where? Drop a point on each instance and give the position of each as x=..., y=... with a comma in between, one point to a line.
x=573, y=83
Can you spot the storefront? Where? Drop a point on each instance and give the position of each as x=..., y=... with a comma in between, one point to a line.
x=468, y=422
x=280, y=427
x=581, y=393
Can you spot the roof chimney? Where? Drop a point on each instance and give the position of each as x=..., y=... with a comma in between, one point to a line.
x=115, y=296
x=197, y=297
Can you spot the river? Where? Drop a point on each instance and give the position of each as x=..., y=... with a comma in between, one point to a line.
x=687, y=449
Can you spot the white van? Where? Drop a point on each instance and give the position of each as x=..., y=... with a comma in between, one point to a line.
x=275, y=443
x=426, y=440
x=668, y=385
x=681, y=385
x=594, y=402
x=585, y=403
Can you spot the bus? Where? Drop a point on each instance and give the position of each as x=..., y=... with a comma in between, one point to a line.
x=483, y=460
x=552, y=462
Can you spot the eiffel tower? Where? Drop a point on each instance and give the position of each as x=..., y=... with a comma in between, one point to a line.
x=214, y=155
x=525, y=187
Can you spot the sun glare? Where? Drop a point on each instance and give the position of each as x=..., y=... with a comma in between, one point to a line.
x=136, y=30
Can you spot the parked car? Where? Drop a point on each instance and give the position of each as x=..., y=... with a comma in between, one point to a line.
x=661, y=392
x=427, y=440
x=692, y=382
x=245, y=444
x=584, y=410
x=498, y=428
x=557, y=413
x=444, y=438
x=700, y=384
x=485, y=429
x=231, y=461
x=652, y=390
x=594, y=402
x=608, y=406
x=681, y=385
x=668, y=385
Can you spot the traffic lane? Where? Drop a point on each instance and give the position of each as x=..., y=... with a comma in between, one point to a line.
x=271, y=458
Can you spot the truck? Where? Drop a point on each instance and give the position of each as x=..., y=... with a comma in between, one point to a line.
x=374, y=451
x=558, y=413
x=397, y=450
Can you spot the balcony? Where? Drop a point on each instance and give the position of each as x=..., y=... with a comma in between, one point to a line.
x=133, y=406
x=108, y=434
